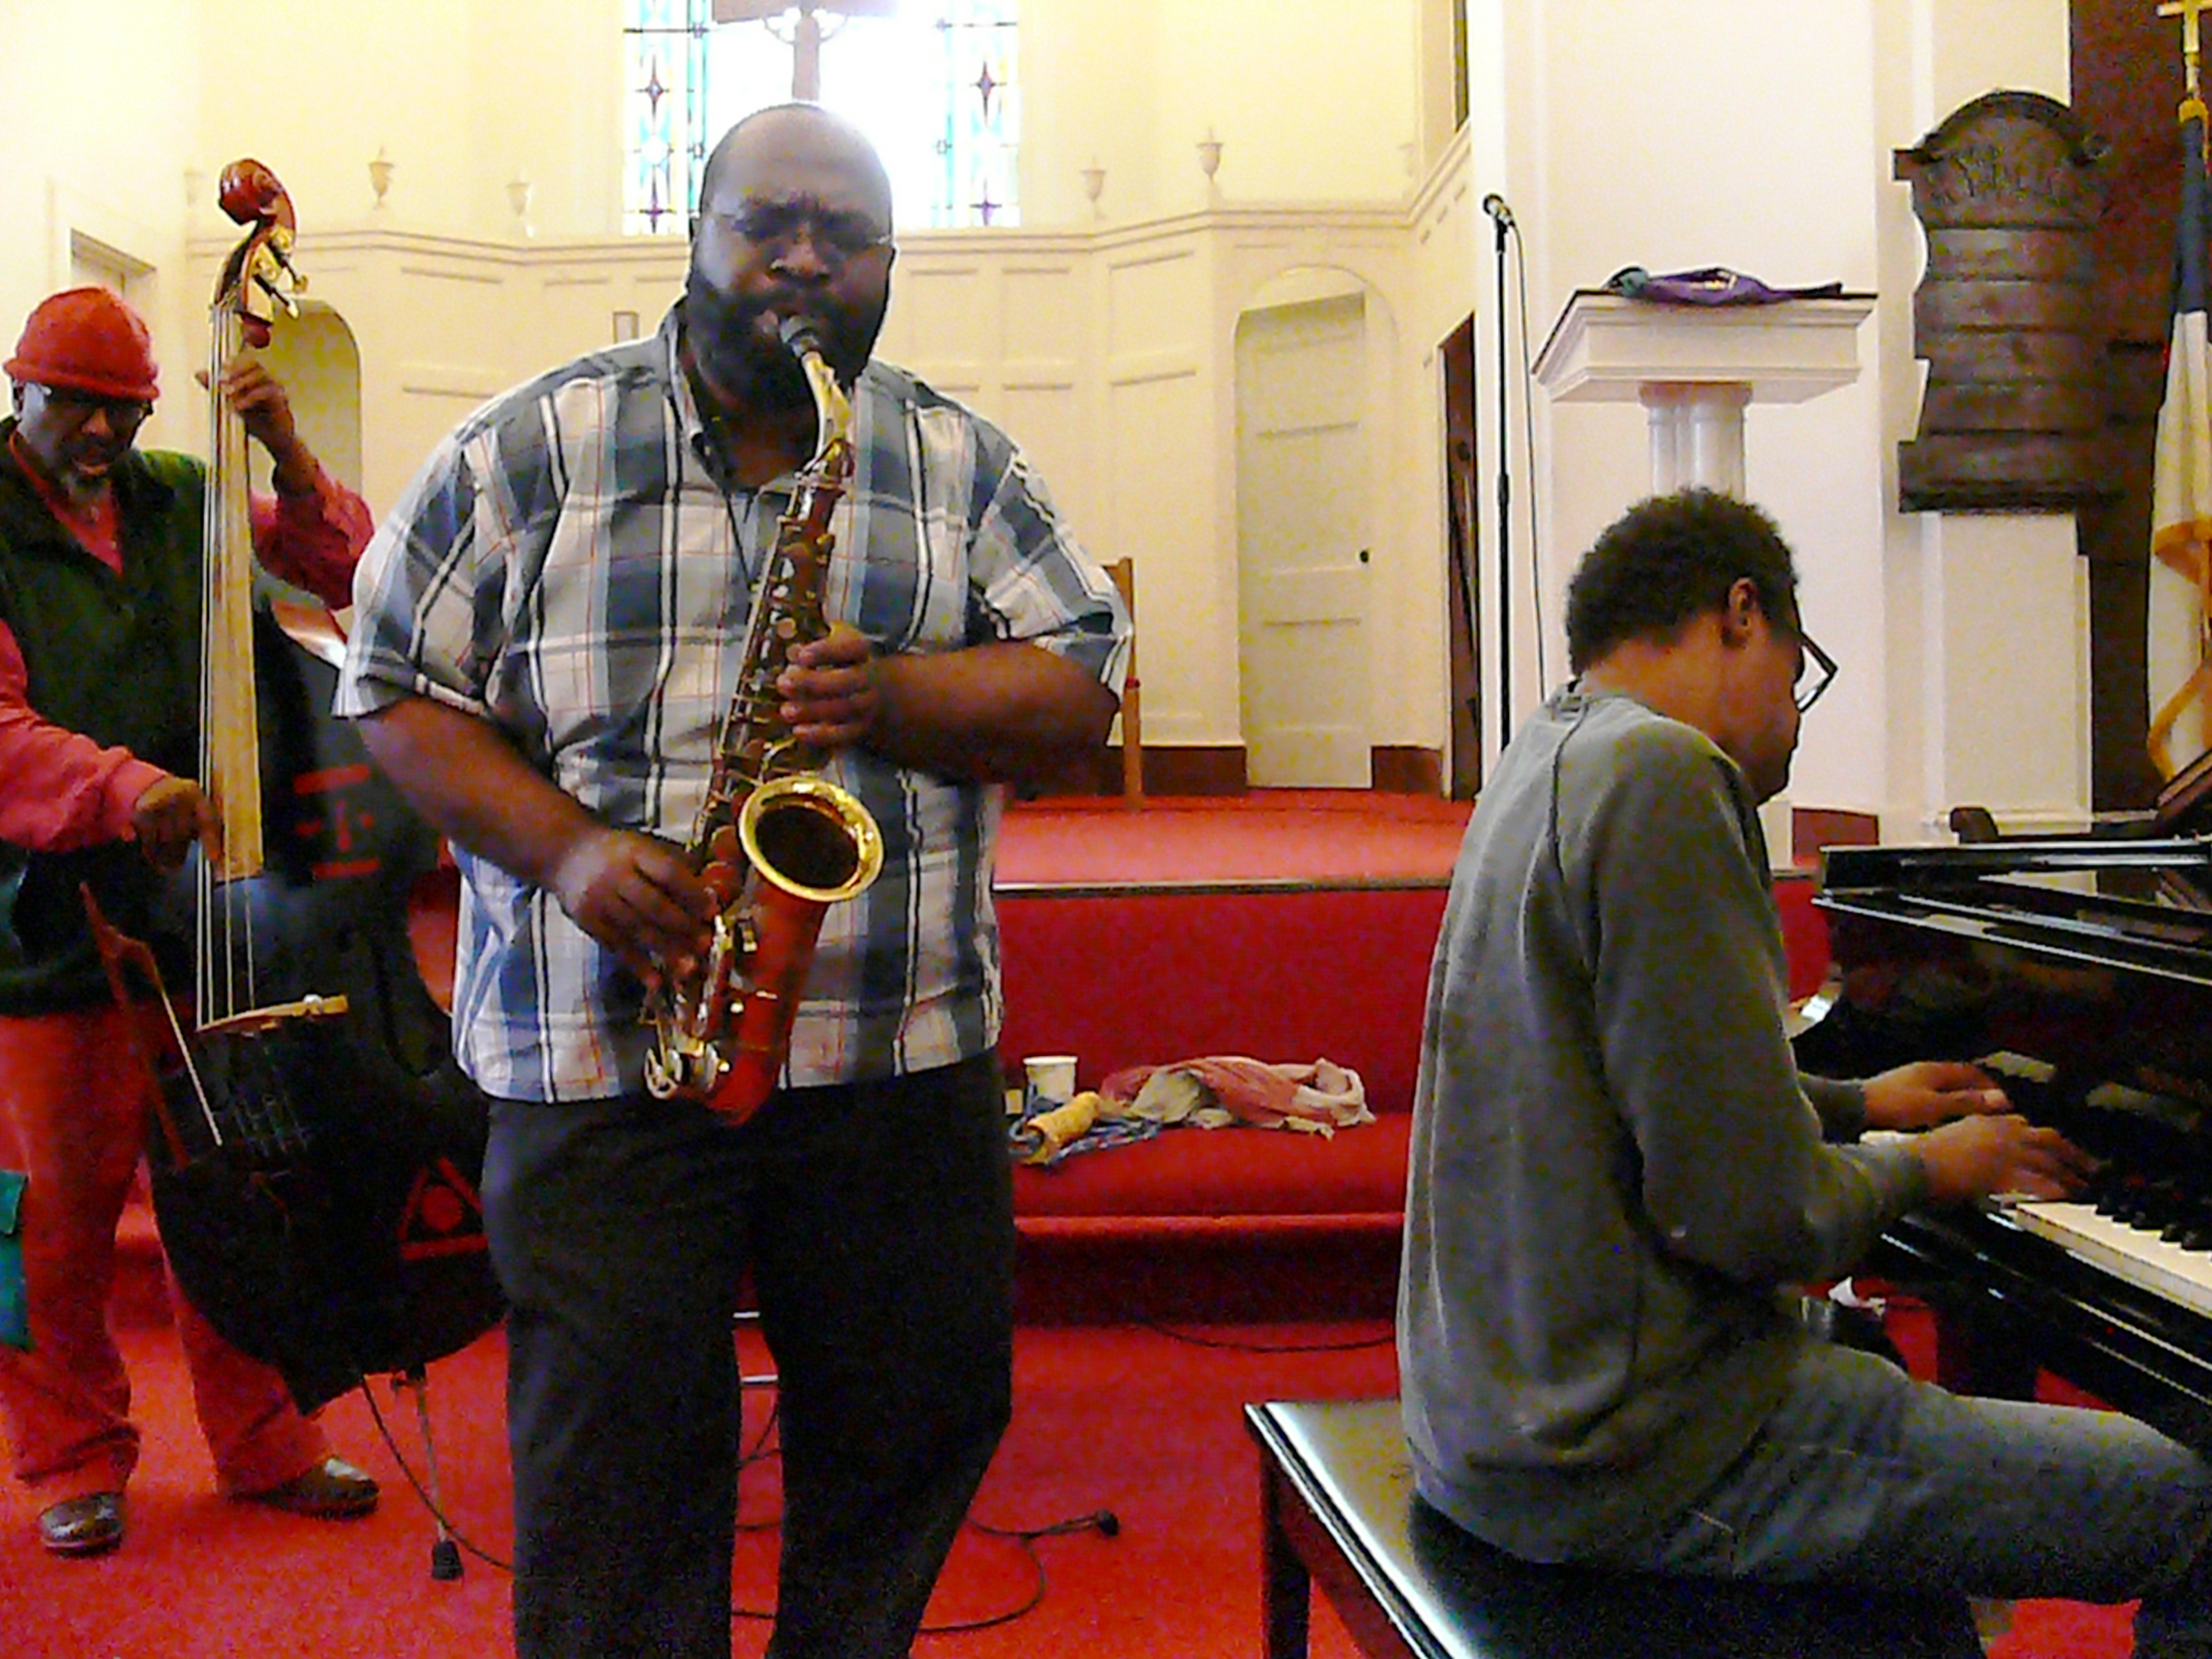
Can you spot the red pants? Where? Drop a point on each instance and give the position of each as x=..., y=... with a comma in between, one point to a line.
x=73, y=1116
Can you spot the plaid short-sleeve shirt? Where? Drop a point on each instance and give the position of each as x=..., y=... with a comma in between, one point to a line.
x=570, y=565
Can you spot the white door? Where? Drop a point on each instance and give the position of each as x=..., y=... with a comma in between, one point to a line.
x=1302, y=543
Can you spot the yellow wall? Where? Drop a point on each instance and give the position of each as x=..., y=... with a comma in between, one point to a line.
x=1702, y=131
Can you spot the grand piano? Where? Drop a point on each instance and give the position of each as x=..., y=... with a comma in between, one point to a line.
x=2079, y=970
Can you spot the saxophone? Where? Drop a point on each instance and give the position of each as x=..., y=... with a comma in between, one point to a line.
x=775, y=841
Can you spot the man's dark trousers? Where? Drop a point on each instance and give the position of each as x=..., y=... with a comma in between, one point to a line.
x=876, y=1221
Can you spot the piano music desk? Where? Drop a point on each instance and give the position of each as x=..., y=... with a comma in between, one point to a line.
x=1337, y=1509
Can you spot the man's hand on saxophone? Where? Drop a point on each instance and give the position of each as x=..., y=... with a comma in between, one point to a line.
x=831, y=687
x=636, y=894
x=632, y=892
x=1004, y=711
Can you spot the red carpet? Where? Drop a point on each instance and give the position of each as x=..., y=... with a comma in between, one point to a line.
x=1120, y=1419
x=1113, y=1418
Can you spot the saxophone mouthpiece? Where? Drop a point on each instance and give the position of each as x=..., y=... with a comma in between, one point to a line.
x=801, y=334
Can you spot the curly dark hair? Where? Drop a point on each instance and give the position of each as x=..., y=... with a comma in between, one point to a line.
x=1667, y=559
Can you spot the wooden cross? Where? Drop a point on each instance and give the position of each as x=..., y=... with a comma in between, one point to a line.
x=806, y=38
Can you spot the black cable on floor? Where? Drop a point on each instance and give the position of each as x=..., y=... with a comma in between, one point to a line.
x=1345, y=1346
x=1105, y=1522
x=407, y=1469
x=761, y=1450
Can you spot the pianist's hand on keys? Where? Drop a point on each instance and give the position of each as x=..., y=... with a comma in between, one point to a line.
x=1979, y=1157
x=1931, y=1091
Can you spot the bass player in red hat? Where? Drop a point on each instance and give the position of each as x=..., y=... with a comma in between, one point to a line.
x=100, y=573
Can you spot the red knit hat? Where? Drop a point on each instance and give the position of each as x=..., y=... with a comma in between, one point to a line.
x=88, y=340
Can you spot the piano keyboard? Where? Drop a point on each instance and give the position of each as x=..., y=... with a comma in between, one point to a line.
x=2140, y=1257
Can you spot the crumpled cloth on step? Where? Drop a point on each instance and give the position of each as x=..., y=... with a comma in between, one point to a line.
x=1213, y=1091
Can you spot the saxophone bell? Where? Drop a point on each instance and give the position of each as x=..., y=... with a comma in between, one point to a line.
x=811, y=838
x=811, y=845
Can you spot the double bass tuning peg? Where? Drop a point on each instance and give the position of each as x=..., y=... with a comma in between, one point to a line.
x=282, y=293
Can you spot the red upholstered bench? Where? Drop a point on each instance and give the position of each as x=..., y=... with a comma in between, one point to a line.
x=1219, y=1222
x=1197, y=1182
x=1279, y=973
x=1240, y=1222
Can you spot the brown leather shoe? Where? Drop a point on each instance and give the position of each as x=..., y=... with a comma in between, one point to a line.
x=331, y=1490
x=91, y=1525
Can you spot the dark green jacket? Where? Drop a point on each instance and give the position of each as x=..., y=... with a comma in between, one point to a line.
x=116, y=657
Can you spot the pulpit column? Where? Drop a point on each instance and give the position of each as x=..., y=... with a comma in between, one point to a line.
x=1696, y=435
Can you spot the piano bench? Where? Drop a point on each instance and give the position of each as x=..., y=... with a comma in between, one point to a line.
x=1338, y=1508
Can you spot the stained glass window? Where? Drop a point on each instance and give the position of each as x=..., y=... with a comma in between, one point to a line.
x=981, y=135
x=935, y=85
x=664, y=112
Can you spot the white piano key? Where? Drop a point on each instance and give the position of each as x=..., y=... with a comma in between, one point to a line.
x=2140, y=1257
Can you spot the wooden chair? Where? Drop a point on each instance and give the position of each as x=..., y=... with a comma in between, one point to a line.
x=1124, y=573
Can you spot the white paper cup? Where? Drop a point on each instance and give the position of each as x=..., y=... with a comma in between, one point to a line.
x=1050, y=1082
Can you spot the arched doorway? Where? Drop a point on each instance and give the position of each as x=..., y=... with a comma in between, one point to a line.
x=315, y=357
x=1304, y=529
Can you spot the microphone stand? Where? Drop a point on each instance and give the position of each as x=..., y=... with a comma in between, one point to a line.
x=1501, y=220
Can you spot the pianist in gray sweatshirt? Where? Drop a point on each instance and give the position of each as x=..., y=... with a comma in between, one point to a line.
x=1615, y=1167
x=1617, y=1171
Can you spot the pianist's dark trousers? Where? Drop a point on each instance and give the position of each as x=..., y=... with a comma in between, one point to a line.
x=877, y=1218
x=1865, y=1475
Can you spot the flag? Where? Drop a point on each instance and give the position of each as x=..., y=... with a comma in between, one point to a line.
x=2179, y=658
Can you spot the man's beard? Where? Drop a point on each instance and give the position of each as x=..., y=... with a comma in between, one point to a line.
x=81, y=489
x=84, y=489
x=745, y=359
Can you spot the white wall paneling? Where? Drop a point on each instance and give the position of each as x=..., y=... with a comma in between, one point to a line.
x=1108, y=353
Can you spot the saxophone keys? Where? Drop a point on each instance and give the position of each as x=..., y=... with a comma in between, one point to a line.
x=725, y=880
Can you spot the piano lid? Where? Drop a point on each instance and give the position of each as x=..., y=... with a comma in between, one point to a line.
x=2141, y=904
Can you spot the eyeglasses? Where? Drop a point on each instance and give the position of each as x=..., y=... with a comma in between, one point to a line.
x=775, y=226
x=1813, y=674
x=124, y=415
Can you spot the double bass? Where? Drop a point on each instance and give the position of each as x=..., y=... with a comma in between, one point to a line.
x=317, y=1151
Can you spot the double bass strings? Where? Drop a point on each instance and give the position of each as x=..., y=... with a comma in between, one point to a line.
x=228, y=741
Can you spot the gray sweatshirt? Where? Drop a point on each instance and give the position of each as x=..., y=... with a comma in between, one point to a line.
x=1615, y=1166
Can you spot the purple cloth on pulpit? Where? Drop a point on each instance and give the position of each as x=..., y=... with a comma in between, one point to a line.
x=1709, y=285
